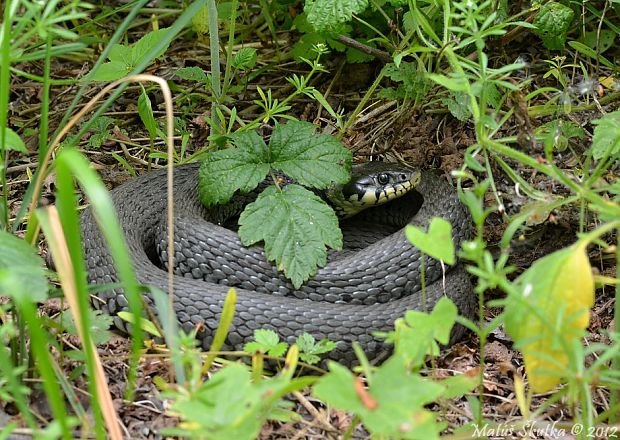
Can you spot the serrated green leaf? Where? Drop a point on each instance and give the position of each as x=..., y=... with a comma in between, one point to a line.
x=437, y=242
x=606, y=138
x=99, y=324
x=123, y=58
x=325, y=14
x=145, y=110
x=309, y=348
x=552, y=23
x=310, y=159
x=458, y=105
x=295, y=225
x=193, y=73
x=226, y=171
x=22, y=273
x=266, y=341
x=415, y=84
x=245, y=58
x=12, y=141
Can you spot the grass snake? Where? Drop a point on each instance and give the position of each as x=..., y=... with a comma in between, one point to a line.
x=362, y=290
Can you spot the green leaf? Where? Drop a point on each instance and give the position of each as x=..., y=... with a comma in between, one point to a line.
x=549, y=311
x=325, y=14
x=266, y=341
x=193, y=73
x=417, y=334
x=245, y=58
x=295, y=225
x=200, y=21
x=393, y=405
x=228, y=406
x=22, y=272
x=123, y=59
x=110, y=71
x=591, y=53
x=310, y=159
x=120, y=54
x=309, y=348
x=338, y=389
x=437, y=242
x=605, y=39
x=453, y=82
x=552, y=23
x=145, y=324
x=226, y=171
x=458, y=386
x=458, y=104
x=141, y=47
x=12, y=141
x=558, y=132
x=145, y=110
x=606, y=138
x=415, y=84
x=99, y=324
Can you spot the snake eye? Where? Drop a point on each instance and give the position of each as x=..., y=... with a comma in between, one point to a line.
x=383, y=179
x=403, y=177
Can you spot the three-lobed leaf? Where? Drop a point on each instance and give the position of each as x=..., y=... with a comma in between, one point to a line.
x=266, y=341
x=245, y=58
x=295, y=225
x=309, y=348
x=293, y=222
x=437, y=242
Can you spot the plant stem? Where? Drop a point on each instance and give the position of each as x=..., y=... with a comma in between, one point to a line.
x=214, y=45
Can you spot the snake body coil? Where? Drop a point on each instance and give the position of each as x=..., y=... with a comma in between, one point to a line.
x=360, y=291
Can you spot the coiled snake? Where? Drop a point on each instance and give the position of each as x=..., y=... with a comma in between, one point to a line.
x=360, y=291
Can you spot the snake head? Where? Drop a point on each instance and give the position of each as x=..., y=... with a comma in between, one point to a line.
x=372, y=184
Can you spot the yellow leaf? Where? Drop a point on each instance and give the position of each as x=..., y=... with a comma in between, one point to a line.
x=550, y=311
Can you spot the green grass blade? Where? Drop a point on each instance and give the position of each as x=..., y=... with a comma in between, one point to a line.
x=228, y=312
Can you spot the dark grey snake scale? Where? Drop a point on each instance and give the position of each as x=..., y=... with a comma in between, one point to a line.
x=360, y=291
